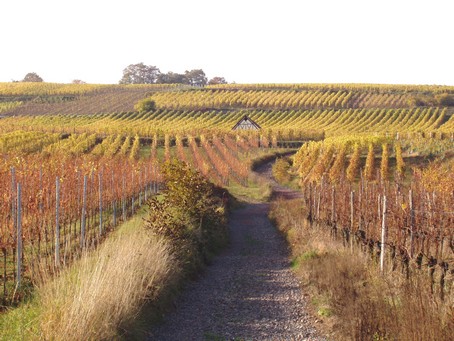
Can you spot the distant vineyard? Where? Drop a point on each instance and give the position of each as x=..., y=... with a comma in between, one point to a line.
x=364, y=87
x=284, y=122
x=8, y=106
x=90, y=99
x=72, y=99
x=51, y=89
x=277, y=99
x=20, y=142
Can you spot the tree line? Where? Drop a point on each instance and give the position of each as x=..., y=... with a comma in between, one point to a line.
x=148, y=74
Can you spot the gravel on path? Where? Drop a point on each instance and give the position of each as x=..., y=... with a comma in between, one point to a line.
x=248, y=293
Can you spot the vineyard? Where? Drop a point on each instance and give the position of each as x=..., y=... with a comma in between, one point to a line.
x=366, y=191
x=286, y=124
x=64, y=193
x=287, y=111
x=77, y=159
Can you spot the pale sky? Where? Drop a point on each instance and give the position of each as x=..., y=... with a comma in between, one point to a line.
x=278, y=41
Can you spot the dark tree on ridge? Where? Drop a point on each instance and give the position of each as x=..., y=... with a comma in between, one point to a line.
x=172, y=78
x=196, y=77
x=32, y=77
x=140, y=74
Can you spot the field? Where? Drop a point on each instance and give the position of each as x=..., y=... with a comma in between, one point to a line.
x=376, y=165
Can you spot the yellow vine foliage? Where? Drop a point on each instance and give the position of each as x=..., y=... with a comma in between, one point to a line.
x=353, y=166
x=437, y=177
x=400, y=163
x=370, y=163
x=335, y=173
x=384, y=165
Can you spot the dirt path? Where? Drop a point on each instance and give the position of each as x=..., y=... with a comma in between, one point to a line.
x=249, y=293
x=278, y=190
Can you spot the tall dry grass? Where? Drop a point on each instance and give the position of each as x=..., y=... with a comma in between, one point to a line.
x=105, y=288
x=350, y=294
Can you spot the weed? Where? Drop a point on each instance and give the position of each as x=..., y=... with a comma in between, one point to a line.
x=324, y=312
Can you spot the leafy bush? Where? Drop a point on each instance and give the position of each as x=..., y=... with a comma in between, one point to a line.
x=281, y=170
x=145, y=105
x=190, y=212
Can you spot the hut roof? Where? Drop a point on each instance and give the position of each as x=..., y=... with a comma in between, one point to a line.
x=246, y=123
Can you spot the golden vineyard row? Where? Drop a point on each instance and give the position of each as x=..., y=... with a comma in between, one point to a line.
x=327, y=122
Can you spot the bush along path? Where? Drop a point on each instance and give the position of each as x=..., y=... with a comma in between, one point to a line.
x=248, y=293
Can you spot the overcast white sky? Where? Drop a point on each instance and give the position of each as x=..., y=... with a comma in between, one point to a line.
x=278, y=41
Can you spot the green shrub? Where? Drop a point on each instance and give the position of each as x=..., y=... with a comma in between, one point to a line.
x=145, y=105
x=281, y=170
x=190, y=213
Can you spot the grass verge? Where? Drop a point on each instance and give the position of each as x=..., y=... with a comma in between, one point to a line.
x=349, y=294
x=258, y=190
x=97, y=295
x=106, y=289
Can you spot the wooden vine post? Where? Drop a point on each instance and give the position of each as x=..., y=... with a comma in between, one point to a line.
x=19, y=236
x=140, y=188
x=383, y=236
x=84, y=213
x=57, y=222
x=100, y=203
x=333, y=206
x=412, y=224
x=123, y=204
x=13, y=207
x=13, y=196
x=114, y=204
x=352, y=218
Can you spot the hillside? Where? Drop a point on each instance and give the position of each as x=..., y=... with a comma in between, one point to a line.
x=79, y=160
x=329, y=108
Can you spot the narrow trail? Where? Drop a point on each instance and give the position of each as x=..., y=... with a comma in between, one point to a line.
x=248, y=293
x=265, y=171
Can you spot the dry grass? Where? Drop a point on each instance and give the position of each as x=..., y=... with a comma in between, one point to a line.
x=350, y=295
x=105, y=289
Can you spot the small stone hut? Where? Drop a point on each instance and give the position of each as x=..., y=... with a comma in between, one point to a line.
x=246, y=123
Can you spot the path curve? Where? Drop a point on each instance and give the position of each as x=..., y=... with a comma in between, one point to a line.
x=265, y=171
x=248, y=293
